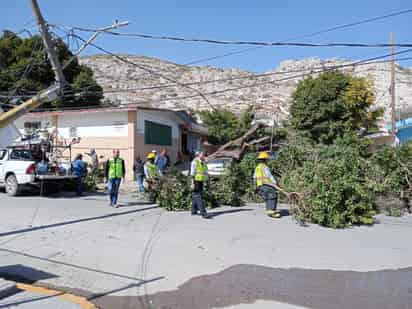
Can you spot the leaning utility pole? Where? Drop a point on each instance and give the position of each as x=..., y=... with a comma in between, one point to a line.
x=48, y=44
x=48, y=94
x=392, y=87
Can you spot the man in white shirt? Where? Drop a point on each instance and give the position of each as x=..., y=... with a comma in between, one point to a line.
x=199, y=175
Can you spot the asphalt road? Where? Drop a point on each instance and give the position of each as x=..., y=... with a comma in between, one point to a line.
x=138, y=256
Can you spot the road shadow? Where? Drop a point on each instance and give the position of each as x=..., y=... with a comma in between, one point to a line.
x=70, y=194
x=284, y=212
x=212, y=214
x=24, y=275
x=21, y=273
x=137, y=203
x=117, y=290
x=308, y=288
x=64, y=223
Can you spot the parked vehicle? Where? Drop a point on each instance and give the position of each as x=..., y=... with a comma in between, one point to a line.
x=217, y=167
x=18, y=171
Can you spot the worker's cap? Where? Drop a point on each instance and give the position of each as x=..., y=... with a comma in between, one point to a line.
x=198, y=152
x=263, y=155
x=151, y=155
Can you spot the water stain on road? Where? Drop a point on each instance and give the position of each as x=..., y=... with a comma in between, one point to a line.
x=244, y=284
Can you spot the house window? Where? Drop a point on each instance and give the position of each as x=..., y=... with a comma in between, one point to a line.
x=31, y=127
x=157, y=134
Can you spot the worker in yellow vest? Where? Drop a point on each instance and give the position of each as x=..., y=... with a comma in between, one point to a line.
x=199, y=176
x=114, y=172
x=151, y=172
x=266, y=185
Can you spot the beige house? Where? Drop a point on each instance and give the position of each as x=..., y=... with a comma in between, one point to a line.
x=135, y=131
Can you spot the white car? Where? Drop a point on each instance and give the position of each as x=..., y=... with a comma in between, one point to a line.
x=17, y=169
x=217, y=167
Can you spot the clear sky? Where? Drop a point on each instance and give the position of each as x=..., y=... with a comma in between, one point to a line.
x=262, y=20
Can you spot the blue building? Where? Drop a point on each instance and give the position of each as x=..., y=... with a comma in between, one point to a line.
x=404, y=130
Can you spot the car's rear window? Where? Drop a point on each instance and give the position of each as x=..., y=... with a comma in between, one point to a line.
x=21, y=154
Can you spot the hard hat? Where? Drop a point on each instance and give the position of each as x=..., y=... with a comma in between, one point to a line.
x=151, y=155
x=263, y=155
x=154, y=151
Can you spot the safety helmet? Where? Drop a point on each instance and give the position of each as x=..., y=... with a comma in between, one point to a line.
x=151, y=155
x=263, y=155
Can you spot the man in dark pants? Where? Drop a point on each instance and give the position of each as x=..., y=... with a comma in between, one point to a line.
x=266, y=184
x=198, y=172
x=114, y=172
x=79, y=170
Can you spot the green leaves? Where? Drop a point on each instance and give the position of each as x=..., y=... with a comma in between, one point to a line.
x=24, y=70
x=225, y=126
x=331, y=105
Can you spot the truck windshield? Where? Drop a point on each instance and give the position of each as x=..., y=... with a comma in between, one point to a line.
x=21, y=154
x=2, y=154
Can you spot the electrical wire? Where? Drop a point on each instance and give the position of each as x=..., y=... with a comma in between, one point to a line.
x=149, y=70
x=339, y=27
x=217, y=92
x=268, y=43
x=258, y=43
x=163, y=86
x=357, y=63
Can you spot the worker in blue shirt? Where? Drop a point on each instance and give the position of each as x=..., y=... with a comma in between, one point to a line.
x=79, y=170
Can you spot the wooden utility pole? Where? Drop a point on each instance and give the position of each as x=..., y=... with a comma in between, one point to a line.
x=48, y=44
x=392, y=87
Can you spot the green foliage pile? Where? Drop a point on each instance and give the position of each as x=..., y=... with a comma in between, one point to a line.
x=334, y=185
x=339, y=182
x=25, y=69
x=91, y=180
x=173, y=193
x=229, y=188
x=225, y=126
x=392, y=172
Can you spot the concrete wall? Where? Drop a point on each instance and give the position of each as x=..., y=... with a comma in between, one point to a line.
x=94, y=124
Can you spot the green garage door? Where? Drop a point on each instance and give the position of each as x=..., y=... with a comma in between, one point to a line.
x=157, y=134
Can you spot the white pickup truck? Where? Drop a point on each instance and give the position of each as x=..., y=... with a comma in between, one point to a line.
x=18, y=171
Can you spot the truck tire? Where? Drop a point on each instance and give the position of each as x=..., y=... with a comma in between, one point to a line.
x=12, y=186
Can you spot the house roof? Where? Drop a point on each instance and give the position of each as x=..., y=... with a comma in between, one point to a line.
x=181, y=114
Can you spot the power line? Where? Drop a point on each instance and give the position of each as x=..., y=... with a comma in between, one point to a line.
x=144, y=68
x=332, y=68
x=252, y=76
x=255, y=76
x=306, y=35
x=258, y=43
x=281, y=43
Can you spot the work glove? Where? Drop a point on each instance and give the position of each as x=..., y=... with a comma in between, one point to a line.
x=192, y=185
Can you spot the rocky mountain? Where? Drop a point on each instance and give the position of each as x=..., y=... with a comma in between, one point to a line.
x=148, y=82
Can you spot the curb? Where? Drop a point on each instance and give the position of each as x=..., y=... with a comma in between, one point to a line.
x=7, y=288
x=78, y=300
